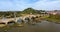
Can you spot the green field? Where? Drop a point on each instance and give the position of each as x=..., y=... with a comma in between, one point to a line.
x=54, y=18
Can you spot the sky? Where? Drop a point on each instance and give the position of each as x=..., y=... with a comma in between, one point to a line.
x=15, y=5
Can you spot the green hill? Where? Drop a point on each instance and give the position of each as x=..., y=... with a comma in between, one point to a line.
x=30, y=10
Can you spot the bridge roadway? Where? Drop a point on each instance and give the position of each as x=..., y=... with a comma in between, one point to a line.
x=15, y=19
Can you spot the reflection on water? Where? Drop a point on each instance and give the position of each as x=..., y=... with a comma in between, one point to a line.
x=44, y=26
x=19, y=21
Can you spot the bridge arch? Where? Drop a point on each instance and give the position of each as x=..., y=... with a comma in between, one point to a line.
x=11, y=21
x=19, y=21
x=2, y=23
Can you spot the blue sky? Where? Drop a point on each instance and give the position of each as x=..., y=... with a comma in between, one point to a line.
x=6, y=5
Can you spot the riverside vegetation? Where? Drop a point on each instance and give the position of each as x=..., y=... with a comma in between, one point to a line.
x=19, y=13
x=53, y=18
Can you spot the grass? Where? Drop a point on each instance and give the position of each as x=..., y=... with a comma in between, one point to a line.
x=53, y=18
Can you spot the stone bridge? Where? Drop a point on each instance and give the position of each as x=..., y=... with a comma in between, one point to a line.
x=7, y=20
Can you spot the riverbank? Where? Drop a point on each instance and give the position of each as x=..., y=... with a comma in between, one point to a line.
x=53, y=18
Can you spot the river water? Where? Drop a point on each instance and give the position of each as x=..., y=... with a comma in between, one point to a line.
x=43, y=26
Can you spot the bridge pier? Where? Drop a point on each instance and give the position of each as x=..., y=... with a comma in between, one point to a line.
x=6, y=23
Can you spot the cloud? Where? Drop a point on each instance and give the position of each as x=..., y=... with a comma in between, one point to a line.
x=36, y=4
x=13, y=5
x=47, y=5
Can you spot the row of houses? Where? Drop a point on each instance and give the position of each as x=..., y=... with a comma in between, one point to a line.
x=54, y=12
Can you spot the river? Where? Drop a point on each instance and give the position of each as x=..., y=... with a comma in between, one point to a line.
x=43, y=26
